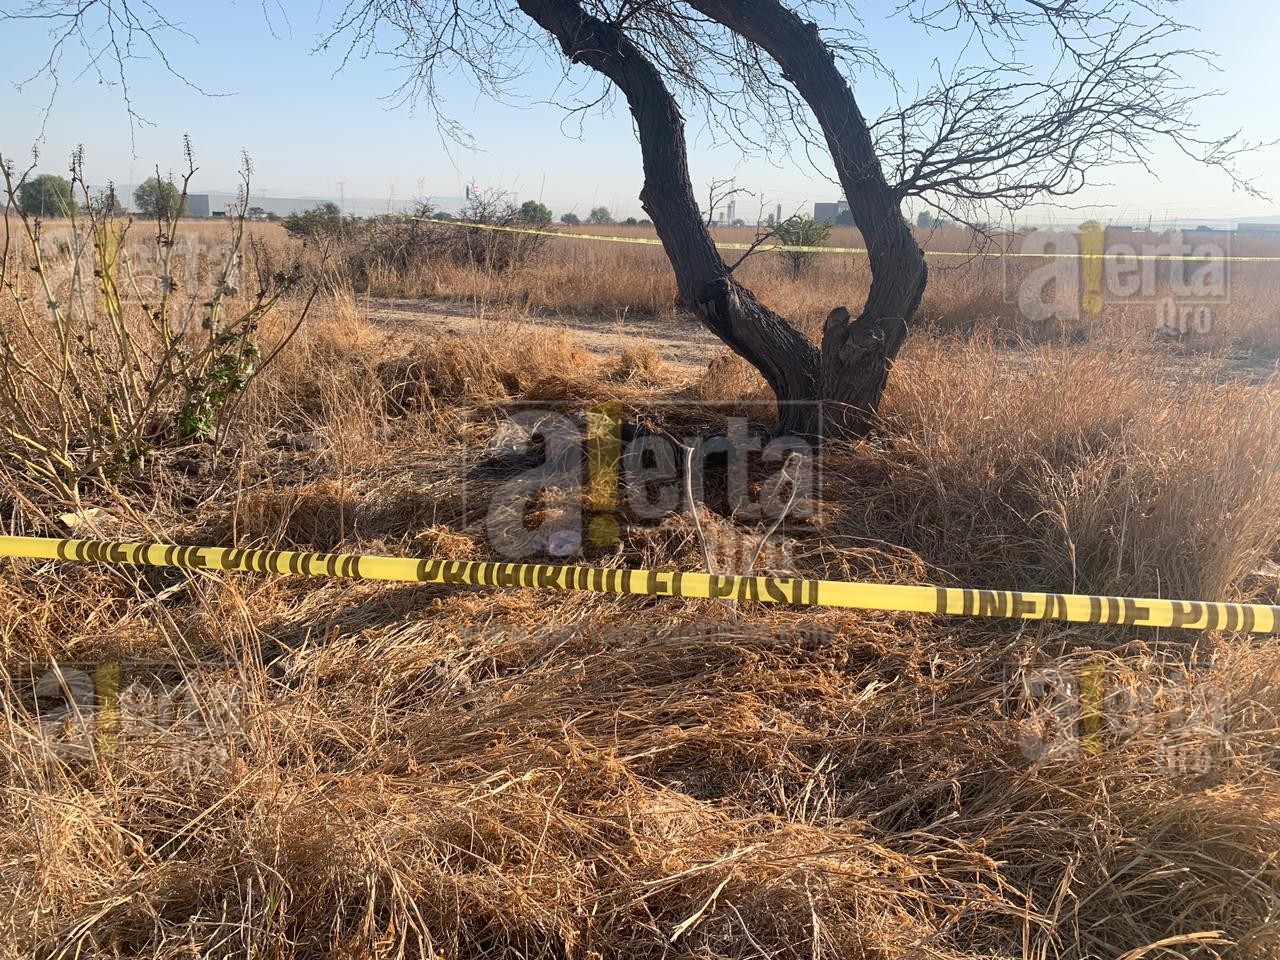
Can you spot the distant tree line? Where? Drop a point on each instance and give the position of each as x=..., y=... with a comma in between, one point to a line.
x=50, y=195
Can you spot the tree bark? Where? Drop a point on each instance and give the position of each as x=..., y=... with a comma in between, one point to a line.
x=856, y=354
x=788, y=361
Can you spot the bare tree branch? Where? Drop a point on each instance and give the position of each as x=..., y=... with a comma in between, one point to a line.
x=111, y=34
x=989, y=138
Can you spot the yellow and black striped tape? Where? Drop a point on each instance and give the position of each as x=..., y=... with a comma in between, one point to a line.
x=1077, y=608
x=792, y=248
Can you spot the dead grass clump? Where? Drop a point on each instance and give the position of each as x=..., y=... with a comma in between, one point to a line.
x=329, y=353
x=1071, y=470
x=1185, y=507
x=387, y=507
x=676, y=543
x=980, y=301
x=638, y=362
x=439, y=541
x=76, y=614
x=494, y=366
x=314, y=516
x=729, y=379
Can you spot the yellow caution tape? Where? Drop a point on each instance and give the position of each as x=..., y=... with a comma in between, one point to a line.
x=1077, y=608
x=789, y=248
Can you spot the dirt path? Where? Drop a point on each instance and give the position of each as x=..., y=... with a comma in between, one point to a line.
x=682, y=344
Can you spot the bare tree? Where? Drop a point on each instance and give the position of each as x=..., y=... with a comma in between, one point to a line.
x=978, y=137
x=856, y=353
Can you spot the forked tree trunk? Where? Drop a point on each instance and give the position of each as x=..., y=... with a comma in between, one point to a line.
x=836, y=390
x=856, y=353
x=785, y=358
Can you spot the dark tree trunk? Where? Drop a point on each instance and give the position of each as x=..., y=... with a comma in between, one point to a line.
x=834, y=391
x=856, y=353
x=788, y=361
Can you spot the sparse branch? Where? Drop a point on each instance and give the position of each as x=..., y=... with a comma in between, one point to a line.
x=721, y=191
x=110, y=34
x=480, y=39
x=762, y=237
x=1001, y=137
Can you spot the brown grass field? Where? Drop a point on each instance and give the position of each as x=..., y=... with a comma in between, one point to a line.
x=971, y=288
x=325, y=768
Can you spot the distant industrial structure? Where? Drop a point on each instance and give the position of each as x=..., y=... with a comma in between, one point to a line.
x=838, y=212
x=221, y=204
x=198, y=205
x=830, y=212
x=1261, y=229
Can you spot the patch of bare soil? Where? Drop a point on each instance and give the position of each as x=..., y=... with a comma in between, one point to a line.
x=682, y=343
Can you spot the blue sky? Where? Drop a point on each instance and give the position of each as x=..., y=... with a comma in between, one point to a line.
x=310, y=126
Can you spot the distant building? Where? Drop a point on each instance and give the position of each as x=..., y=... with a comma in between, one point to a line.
x=220, y=203
x=829, y=212
x=1258, y=229
x=226, y=204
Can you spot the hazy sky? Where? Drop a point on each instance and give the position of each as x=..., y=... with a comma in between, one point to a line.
x=309, y=125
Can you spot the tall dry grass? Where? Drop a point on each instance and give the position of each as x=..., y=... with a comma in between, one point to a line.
x=331, y=769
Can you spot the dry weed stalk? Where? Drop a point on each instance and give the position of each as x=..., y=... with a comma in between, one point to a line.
x=111, y=348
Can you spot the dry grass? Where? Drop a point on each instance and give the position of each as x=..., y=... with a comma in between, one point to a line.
x=1102, y=474
x=330, y=769
x=966, y=294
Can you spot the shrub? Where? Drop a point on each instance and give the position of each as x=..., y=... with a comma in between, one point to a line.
x=398, y=252
x=324, y=221
x=802, y=231
x=139, y=361
x=600, y=215
x=570, y=219
x=491, y=249
x=396, y=247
